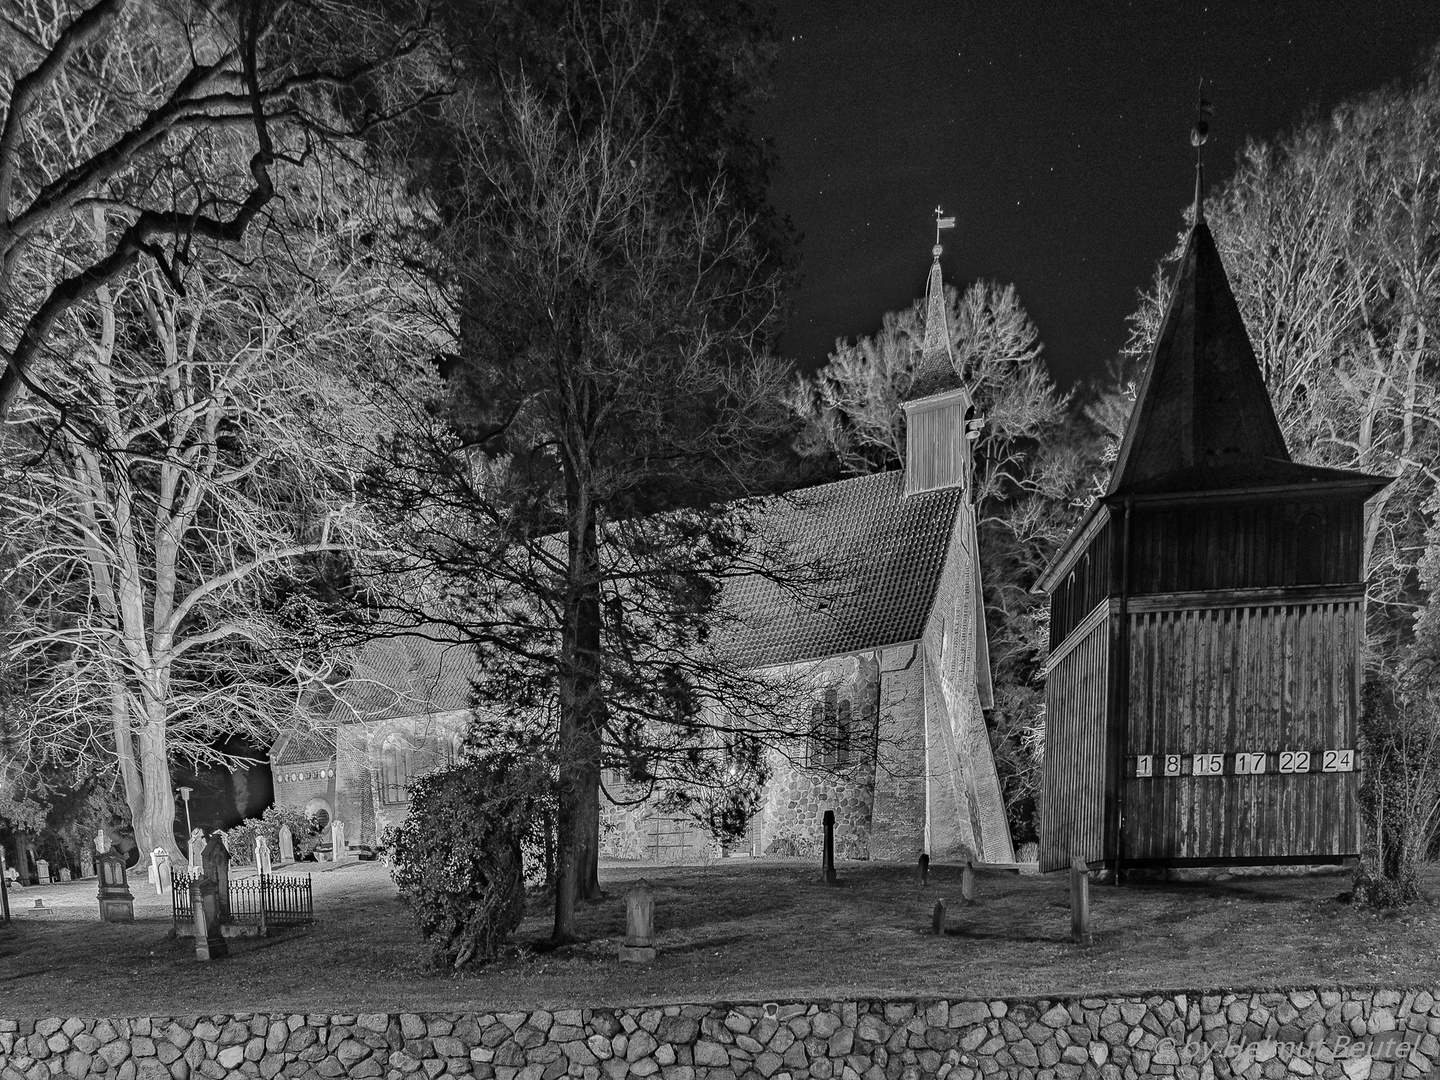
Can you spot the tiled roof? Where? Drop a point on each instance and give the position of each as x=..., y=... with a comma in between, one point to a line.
x=409, y=674
x=305, y=746
x=879, y=555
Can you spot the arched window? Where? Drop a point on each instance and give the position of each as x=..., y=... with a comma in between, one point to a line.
x=318, y=811
x=830, y=730
x=394, y=768
x=454, y=750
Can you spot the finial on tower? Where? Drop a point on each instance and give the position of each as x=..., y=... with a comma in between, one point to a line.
x=941, y=222
x=1198, y=134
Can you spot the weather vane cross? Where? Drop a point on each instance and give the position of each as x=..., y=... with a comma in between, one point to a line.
x=942, y=222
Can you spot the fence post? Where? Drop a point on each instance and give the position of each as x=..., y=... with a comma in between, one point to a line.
x=1080, y=902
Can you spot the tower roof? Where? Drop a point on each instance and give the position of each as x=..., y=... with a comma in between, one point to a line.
x=1202, y=404
x=936, y=370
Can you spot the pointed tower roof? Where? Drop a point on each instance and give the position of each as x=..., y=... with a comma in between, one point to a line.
x=936, y=371
x=1202, y=403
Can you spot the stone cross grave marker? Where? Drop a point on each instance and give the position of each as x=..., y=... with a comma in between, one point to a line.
x=338, y=851
x=287, y=845
x=829, y=866
x=967, y=882
x=102, y=842
x=1080, y=903
x=87, y=862
x=262, y=855
x=197, y=845
x=937, y=918
x=639, y=946
x=64, y=873
x=159, y=873
x=42, y=868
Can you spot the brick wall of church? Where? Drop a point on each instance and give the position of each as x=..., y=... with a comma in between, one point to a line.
x=897, y=829
x=799, y=791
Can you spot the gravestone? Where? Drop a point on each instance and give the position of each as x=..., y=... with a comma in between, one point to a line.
x=262, y=855
x=287, y=845
x=967, y=882
x=937, y=918
x=924, y=869
x=42, y=868
x=87, y=862
x=159, y=872
x=40, y=908
x=829, y=865
x=216, y=861
x=102, y=842
x=117, y=902
x=205, y=901
x=1080, y=903
x=197, y=845
x=338, y=851
x=64, y=873
x=639, y=946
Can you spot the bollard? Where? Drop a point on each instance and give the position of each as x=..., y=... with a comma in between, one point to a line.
x=937, y=919
x=1080, y=903
x=967, y=882
x=829, y=869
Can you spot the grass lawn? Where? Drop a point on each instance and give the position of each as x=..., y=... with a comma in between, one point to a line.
x=739, y=931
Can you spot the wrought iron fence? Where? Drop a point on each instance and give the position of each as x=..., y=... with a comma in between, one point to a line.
x=266, y=899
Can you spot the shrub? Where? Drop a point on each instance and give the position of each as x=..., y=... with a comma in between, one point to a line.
x=458, y=857
x=1400, y=794
x=241, y=839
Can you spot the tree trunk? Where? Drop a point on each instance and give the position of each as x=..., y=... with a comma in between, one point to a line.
x=582, y=717
x=155, y=827
x=125, y=749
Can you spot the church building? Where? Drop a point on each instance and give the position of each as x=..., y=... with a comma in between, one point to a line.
x=895, y=656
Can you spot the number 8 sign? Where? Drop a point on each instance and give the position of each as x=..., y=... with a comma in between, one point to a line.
x=1172, y=764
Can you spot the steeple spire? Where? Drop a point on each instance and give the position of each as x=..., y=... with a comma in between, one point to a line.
x=1202, y=404
x=1198, y=134
x=937, y=361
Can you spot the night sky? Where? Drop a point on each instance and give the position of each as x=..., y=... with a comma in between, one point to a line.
x=1058, y=134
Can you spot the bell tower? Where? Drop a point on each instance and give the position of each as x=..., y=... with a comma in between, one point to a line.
x=937, y=442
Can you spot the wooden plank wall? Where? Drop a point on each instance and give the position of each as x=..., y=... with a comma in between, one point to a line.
x=1264, y=544
x=937, y=452
x=1073, y=787
x=1090, y=582
x=1243, y=679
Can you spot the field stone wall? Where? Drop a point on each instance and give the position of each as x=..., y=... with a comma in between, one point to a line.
x=1076, y=1039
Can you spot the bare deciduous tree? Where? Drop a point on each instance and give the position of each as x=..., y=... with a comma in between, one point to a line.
x=123, y=104
x=159, y=562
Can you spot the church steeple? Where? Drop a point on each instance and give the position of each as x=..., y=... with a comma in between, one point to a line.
x=1202, y=404
x=937, y=451
x=936, y=369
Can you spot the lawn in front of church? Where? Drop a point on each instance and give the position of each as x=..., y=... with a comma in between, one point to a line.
x=766, y=929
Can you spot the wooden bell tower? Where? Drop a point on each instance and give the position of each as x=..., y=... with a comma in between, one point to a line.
x=1206, y=619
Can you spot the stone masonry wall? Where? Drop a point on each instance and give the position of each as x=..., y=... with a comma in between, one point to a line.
x=1259, y=1036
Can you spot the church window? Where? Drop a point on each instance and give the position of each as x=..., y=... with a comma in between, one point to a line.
x=831, y=725
x=454, y=750
x=394, y=769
